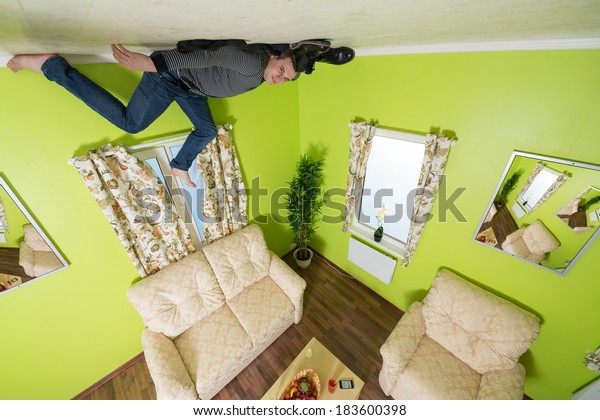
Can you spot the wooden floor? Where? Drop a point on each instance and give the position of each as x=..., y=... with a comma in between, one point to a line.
x=578, y=219
x=503, y=224
x=345, y=316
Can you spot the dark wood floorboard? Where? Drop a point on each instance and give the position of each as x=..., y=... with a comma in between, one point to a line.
x=133, y=383
x=578, y=219
x=344, y=315
x=503, y=224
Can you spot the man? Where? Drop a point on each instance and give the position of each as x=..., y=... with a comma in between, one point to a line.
x=188, y=76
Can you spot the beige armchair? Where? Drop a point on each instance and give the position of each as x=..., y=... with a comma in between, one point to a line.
x=461, y=342
x=35, y=256
x=531, y=242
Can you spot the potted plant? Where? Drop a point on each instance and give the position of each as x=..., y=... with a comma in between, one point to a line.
x=584, y=205
x=303, y=204
x=380, y=216
x=506, y=189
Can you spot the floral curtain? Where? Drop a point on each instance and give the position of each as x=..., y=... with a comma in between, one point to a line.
x=225, y=201
x=437, y=148
x=561, y=179
x=3, y=221
x=361, y=137
x=137, y=207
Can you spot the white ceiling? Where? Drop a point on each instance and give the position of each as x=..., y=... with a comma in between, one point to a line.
x=369, y=26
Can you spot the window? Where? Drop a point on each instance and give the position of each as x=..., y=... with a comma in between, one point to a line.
x=187, y=200
x=540, y=185
x=391, y=179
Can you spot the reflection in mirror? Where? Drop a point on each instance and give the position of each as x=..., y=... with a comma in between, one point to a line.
x=26, y=253
x=521, y=217
x=542, y=183
x=583, y=212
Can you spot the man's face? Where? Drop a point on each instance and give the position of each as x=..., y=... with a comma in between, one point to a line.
x=279, y=71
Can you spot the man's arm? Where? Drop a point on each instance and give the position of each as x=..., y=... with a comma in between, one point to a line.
x=132, y=60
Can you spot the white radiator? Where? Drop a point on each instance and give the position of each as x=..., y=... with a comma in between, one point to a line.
x=590, y=392
x=371, y=260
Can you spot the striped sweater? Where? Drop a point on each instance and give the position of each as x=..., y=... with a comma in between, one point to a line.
x=222, y=73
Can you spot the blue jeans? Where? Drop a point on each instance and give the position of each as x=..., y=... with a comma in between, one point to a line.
x=153, y=95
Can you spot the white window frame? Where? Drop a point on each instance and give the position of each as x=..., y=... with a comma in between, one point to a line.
x=365, y=232
x=524, y=199
x=159, y=149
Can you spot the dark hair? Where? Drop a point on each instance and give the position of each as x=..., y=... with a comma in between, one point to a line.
x=288, y=54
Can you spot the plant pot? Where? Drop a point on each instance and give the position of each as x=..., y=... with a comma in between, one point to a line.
x=303, y=263
x=378, y=234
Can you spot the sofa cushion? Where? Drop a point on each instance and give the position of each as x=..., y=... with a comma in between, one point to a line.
x=486, y=332
x=538, y=239
x=176, y=297
x=263, y=310
x=433, y=373
x=502, y=384
x=520, y=249
x=238, y=260
x=213, y=349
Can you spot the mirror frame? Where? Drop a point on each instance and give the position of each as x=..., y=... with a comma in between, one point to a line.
x=515, y=154
x=34, y=223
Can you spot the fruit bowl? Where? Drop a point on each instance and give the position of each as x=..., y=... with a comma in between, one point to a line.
x=304, y=386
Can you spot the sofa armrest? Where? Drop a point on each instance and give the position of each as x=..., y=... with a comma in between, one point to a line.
x=291, y=283
x=400, y=346
x=26, y=258
x=506, y=384
x=171, y=378
x=513, y=237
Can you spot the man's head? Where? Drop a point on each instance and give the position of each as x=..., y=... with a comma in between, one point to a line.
x=280, y=69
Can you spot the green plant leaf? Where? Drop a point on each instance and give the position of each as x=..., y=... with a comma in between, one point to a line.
x=304, y=199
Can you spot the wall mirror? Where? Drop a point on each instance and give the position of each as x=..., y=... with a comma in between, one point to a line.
x=26, y=253
x=582, y=213
x=543, y=211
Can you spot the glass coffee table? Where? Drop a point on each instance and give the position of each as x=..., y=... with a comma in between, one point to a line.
x=316, y=357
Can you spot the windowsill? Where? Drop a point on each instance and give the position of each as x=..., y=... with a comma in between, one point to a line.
x=387, y=244
x=526, y=207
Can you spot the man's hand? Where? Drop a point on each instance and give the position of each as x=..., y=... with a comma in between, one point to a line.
x=132, y=60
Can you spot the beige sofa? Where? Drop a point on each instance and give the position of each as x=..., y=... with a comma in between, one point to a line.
x=213, y=312
x=462, y=342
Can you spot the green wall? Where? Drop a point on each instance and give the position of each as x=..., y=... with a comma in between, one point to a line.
x=71, y=329
x=77, y=326
x=545, y=102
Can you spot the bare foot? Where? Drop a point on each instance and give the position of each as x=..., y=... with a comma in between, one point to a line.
x=28, y=62
x=183, y=175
